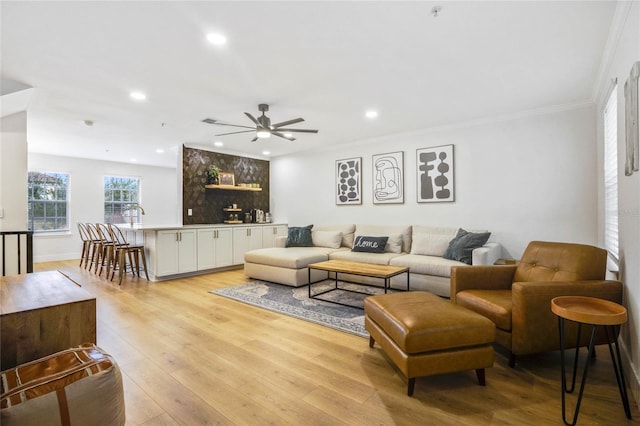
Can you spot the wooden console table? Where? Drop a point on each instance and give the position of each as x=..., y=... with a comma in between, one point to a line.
x=42, y=313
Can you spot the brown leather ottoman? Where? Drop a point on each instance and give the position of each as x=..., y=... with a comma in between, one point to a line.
x=425, y=335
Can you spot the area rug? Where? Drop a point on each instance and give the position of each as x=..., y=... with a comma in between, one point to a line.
x=295, y=302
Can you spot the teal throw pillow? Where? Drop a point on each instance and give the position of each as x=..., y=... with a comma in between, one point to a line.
x=369, y=244
x=299, y=236
x=463, y=244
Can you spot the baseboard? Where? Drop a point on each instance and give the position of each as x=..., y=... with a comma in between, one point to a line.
x=630, y=374
x=56, y=257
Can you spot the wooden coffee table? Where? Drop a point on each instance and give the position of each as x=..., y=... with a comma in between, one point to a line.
x=384, y=272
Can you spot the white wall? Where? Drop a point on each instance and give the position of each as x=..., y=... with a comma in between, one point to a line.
x=625, y=52
x=13, y=165
x=525, y=178
x=158, y=196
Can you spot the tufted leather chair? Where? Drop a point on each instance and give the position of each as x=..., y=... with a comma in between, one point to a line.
x=517, y=298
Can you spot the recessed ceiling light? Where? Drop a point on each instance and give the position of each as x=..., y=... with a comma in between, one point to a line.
x=133, y=160
x=160, y=151
x=216, y=39
x=218, y=143
x=371, y=114
x=266, y=152
x=138, y=96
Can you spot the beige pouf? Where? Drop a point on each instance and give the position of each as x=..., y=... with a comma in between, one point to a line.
x=425, y=335
x=78, y=386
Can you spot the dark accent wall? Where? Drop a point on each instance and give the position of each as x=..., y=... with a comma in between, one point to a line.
x=207, y=204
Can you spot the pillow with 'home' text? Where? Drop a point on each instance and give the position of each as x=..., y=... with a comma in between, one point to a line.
x=369, y=244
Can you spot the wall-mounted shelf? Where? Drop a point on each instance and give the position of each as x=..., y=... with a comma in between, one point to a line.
x=233, y=188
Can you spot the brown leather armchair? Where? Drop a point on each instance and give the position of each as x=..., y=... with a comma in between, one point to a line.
x=517, y=298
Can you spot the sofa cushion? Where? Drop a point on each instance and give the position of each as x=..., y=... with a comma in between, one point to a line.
x=386, y=231
x=430, y=244
x=291, y=257
x=426, y=265
x=462, y=246
x=347, y=232
x=356, y=256
x=330, y=239
x=369, y=244
x=299, y=236
x=394, y=244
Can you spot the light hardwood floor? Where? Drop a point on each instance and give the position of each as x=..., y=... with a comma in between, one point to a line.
x=190, y=357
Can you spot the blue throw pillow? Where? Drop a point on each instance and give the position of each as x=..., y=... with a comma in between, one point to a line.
x=463, y=244
x=299, y=236
x=369, y=244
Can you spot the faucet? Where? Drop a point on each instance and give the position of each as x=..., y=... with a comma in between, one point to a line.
x=131, y=207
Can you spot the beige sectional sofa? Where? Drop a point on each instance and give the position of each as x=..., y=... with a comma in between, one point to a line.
x=418, y=247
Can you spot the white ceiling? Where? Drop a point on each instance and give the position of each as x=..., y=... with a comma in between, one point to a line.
x=325, y=61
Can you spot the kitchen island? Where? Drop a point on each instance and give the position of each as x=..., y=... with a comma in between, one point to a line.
x=173, y=251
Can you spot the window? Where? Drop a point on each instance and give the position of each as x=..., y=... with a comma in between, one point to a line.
x=48, y=201
x=610, y=117
x=121, y=199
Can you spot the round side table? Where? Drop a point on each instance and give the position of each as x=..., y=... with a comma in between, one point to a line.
x=594, y=312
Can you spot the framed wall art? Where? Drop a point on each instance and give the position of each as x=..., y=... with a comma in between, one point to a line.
x=349, y=181
x=388, y=178
x=227, y=178
x=434, y=169
x=632, y=138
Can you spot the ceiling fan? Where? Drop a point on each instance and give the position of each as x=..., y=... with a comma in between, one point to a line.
x=263, y=126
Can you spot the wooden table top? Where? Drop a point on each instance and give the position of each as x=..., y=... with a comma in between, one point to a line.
x=589, y=310
x=358, y=268
x=19, y=293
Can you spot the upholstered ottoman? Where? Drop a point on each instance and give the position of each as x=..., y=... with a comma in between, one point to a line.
x=425, y=335
x=78, y=386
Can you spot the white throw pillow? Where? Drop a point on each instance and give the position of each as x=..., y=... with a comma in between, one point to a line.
x=394, y=244
x=330, y=239
x=430, y=244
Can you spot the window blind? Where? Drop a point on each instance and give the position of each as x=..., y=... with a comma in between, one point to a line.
x=610, y=118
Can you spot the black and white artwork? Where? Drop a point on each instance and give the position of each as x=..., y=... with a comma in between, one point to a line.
x=632, y=158
x=434, y=167
x=388, y=178
x=349, y=181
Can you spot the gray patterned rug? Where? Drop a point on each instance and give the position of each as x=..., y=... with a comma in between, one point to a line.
x=295, y=302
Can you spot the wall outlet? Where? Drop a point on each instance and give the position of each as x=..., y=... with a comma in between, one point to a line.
x=189, y=212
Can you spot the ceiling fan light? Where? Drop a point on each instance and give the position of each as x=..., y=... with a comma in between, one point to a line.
x=263, y=133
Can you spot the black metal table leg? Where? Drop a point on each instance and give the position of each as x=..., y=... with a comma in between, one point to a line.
x=575, y=365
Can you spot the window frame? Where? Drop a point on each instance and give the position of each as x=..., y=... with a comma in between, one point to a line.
x=55, y=202
x=119, y=216
x=610, y=169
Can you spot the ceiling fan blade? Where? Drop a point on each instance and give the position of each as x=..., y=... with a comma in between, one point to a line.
x=280, y=135
x=286, y=123
x=298, y=130
x=254, y=139
x=252, y=118
x=216, y=122
x=233, y=133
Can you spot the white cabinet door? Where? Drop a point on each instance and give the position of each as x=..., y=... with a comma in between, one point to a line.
x=187, y=251
x=245, y=239
x=214, y=248
x=224, y=248
x=166, y=261
x=269, y=234
x=175, y=252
